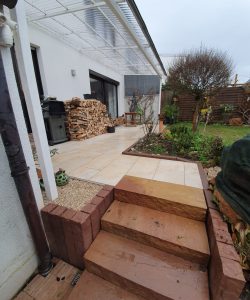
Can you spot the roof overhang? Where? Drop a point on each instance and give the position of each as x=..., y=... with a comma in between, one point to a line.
x=110, y=31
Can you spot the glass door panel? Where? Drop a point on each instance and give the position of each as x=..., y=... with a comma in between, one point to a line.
x=111, y=98
x=106, y=92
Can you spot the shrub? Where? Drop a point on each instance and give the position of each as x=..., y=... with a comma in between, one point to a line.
x=195, y=146
x=183, y=138
x=209, y=149
x=171, y=111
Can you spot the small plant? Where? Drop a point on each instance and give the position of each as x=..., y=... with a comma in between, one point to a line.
x=166, y=134
x=205, y=116
x=227, y=108
x=158, y=149
x=208, y=149
x=171, y=113
x=183, y=138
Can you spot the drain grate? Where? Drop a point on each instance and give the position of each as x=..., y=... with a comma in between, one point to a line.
x=75, y=278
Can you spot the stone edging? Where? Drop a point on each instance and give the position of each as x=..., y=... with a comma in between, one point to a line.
x=226, y=277
x=70, y=232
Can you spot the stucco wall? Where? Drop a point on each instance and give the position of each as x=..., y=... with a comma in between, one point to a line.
x=56, y=60
x=17, y=255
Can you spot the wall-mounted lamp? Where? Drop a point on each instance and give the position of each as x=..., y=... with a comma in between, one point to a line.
x=73, y=73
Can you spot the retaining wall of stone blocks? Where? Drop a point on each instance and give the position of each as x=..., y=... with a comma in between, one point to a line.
x=70, y=232
x=226, y=277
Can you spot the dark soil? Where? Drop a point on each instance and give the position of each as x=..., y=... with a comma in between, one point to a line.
x=154, y=144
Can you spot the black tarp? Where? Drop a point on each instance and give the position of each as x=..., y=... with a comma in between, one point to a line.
x=233, y=182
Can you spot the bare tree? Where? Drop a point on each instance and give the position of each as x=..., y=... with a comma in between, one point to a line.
x=201, y=73
x=148, y=119
x=143, y=104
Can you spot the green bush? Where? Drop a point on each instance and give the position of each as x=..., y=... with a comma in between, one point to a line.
x=171, y=111
x=182, y=138
x=207, y=149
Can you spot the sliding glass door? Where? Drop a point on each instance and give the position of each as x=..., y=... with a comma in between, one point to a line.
x=105, y=91
x=111, y=96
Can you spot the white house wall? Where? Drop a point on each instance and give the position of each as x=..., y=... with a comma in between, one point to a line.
x=18, y=259
x=57, y=59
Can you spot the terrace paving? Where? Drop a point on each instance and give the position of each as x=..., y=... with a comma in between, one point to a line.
x=100, y=159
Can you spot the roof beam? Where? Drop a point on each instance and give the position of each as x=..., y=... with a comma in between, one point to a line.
x=109, y=48
x=68, y=11
x=116, y=10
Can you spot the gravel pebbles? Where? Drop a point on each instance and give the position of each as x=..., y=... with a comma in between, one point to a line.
x=212, y=172
x=76, y=193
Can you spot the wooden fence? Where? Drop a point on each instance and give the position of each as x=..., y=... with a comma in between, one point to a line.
x=186, y=103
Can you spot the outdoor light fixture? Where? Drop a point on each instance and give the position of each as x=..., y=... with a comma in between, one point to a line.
x=73, y=73
x=6, y=27
x=6, y=21
x=9, y=3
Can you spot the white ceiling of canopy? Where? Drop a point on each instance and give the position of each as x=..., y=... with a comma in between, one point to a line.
x=107, y=31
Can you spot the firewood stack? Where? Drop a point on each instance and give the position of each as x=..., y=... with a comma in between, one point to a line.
x=86, y=118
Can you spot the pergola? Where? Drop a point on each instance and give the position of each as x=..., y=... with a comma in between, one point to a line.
x=110, y=31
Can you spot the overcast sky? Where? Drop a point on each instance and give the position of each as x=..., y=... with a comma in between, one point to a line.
x=177, y=25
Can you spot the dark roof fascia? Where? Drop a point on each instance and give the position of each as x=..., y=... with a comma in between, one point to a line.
x=143, y=26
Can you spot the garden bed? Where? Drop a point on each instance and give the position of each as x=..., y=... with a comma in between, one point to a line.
x=131, y=150
x=179, y=143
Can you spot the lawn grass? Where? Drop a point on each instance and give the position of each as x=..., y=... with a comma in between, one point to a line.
x=229, y=134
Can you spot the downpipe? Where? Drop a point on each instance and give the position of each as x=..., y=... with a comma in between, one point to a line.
x=20, y=174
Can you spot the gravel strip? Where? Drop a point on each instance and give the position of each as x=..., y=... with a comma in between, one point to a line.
x=212, y=172
x=76, y=193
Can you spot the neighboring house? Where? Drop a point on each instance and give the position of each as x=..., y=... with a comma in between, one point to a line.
x=76, y=48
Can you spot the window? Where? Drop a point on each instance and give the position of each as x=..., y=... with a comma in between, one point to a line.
x=105, y=90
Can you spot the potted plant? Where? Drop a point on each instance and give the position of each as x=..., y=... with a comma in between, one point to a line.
x=227, y=110
x=171, y=112
x=111, y=126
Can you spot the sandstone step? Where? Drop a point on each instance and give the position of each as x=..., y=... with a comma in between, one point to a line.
x=180, y=236
x=173, y=198
x=92, y=287
x=145, y=271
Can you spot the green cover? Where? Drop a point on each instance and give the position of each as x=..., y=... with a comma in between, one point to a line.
x=233, y=182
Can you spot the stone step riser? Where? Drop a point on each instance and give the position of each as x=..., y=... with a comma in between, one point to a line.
x=171, y=248
x=176, y=235
x=145, y=271
x=166, y=197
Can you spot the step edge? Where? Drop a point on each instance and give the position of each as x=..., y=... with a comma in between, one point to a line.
x=201, y=204
x=122, y=281
x=197, y=213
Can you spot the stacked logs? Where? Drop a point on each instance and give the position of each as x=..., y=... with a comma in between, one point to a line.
x=86, y=118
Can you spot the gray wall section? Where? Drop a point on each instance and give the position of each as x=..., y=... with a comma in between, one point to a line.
x=18, y=259
x=141, y=84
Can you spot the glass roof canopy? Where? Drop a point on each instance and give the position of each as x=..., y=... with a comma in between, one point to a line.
x=108, y=31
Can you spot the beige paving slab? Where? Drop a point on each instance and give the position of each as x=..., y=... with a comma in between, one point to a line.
x=101, y=161
x=170, y=171
x=192, y=175
x=144, y=167
x=84, y=173
x=114, y=172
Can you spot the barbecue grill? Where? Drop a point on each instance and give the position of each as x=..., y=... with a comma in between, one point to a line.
x=54, y=119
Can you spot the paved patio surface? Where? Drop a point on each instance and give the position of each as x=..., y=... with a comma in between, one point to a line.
x=100, y=159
